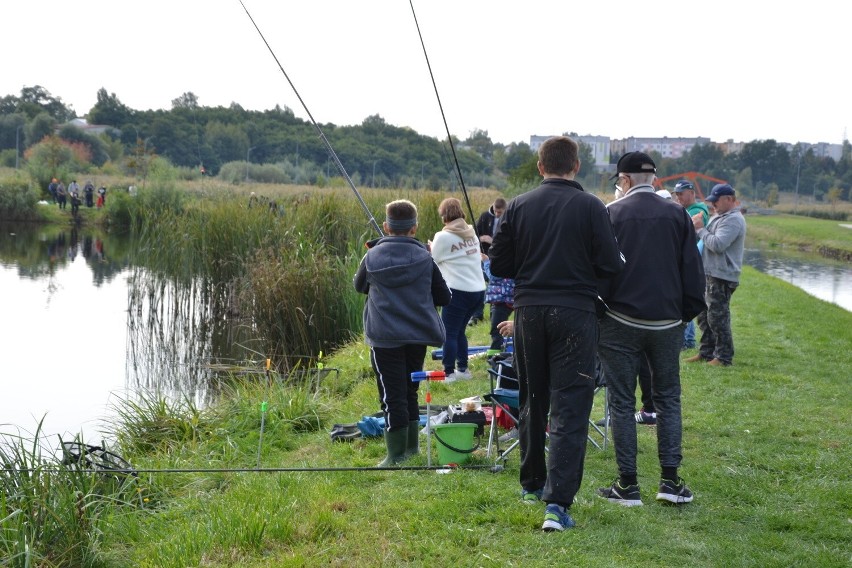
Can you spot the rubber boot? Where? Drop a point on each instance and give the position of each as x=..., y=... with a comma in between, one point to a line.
x=412, y=448
x=396, y=442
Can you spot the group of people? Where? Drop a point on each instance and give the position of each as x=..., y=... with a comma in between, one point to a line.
x=612, y=284
x=61, y=195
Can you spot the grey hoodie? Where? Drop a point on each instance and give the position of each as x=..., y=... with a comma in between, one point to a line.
x=403, y=285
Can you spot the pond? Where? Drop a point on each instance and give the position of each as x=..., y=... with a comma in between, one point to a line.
x=83, y=327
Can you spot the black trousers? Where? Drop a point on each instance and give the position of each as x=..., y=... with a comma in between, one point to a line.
x=397, y=392
x=555, y=363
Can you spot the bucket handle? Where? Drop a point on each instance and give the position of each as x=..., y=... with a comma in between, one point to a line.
x=470, y=451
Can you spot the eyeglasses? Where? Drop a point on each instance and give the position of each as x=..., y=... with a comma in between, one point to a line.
x=618, y=179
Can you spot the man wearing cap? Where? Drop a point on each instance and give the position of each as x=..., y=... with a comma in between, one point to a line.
x=661, y=286
x=684, y=193
x=555, y=241
x=724, y=240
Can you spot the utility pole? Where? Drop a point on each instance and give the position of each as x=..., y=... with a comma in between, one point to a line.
x=18, y=146
x=248, y=153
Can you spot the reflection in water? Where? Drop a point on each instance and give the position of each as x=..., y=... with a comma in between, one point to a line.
x=174, y=331
x=829, y=281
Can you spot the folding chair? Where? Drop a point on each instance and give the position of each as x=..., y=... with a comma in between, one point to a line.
x=503, y=395
x=594, y=429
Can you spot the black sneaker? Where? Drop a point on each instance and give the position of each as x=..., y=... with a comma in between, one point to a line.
x=628, y=496
x=677, y=493
x=648, y=418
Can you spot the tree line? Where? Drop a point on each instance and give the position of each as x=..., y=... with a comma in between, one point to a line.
x=276, y=146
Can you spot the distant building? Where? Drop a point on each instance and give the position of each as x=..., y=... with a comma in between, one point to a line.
x=599, y=146
x=94, y=129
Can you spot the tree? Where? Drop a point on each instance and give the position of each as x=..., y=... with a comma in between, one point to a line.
x=37, y=99
x=768, y=160
x=187, y=100
x=479, y=142
x=833, y=197
x=109, y=110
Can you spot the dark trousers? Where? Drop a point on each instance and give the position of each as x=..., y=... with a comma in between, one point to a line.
x=717, y=341
x=500, y=312
x=397, y=392
x=646, y=384
x=555, y=364
x=455, y=317
x=621, y=349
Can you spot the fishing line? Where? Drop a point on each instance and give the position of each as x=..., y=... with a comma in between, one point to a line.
x=325, y=141
x=134, y=472
x=443, y=116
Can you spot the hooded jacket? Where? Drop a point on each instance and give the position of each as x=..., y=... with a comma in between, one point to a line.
x=403, y=286
x=455, y=249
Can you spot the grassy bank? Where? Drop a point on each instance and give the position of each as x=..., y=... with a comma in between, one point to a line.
x=829, y=238
x=765, y=449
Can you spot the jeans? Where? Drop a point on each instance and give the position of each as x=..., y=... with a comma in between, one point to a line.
x=500, y=312
x=621, y=350
x=455, y=317
x=689, y=335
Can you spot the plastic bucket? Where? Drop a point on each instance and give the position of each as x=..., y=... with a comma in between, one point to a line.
x=455, y=442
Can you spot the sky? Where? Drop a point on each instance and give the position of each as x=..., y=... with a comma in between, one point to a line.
x=723, y=70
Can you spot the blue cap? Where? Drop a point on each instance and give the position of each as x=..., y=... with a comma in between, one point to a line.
x=718, y=191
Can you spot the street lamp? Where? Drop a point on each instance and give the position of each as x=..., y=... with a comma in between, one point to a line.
x=18, y=145
x=373, y=181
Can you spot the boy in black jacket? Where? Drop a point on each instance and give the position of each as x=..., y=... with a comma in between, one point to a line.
x=403, y=285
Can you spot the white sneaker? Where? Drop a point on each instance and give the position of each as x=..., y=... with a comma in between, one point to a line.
x=458, y=376
x=509, y=436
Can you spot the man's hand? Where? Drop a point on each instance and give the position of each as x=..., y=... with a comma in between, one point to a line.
x=697, y=221
x=486, y=239
x=506, y=328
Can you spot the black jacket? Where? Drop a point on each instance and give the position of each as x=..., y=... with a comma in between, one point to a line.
x=556, y=241
x=485, y=226
x=663, y=278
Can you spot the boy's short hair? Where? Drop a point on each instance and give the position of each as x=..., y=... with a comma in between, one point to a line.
x=450, y=209
x=559, y=155
x=500, y=203
x=401, y=216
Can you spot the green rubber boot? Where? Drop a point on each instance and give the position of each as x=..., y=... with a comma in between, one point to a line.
x=412, y=448
x=396, y=442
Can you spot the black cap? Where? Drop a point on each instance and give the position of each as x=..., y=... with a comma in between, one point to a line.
x=635, y=163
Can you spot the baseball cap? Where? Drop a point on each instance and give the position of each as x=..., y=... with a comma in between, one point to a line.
x=664, y=193
x=683, y=185
x=718, y=191
x=635, y=163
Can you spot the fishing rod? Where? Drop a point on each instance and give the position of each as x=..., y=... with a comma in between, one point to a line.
x=444, y=117
x=325, y=141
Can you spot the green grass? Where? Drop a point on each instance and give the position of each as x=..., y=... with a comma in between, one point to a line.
x=766, y=450
x=804, y=233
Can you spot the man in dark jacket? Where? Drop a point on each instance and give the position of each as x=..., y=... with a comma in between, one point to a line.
x=661, y=288
x=555, y=241
x=403, y=285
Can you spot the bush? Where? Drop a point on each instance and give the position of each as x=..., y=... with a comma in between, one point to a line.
x=18, y=198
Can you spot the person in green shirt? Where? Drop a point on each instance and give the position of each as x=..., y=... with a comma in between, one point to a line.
x=684, y=193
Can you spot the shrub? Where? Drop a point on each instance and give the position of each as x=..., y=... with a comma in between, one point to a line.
x=18, y=198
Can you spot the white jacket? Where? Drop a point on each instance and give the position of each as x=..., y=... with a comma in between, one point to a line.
x=456, y=252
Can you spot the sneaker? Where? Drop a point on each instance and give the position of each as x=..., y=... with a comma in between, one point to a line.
x=460, y=375
x=509, y=436
x=531, y=497
x=628, y=496
x=649, y=418
x=677, y=493
x=556, y=518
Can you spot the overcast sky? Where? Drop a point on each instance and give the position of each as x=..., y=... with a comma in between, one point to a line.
x=740, y=70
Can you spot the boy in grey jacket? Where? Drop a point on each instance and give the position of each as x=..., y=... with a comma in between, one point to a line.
x=403, y=285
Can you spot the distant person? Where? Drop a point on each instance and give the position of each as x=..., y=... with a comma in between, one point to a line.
x=455, y=249
x=660, y=288
x=555, y=241
x=684, y=192
x=61, y=195
x=73, y=187
x=724, y=241
x=403, y=285
x=500, y=294
x=101, y=196
x=486, y=227
x=51, y=189
x=75, y=202
x=89, y=191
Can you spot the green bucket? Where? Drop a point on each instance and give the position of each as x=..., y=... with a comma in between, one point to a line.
x=455, y=442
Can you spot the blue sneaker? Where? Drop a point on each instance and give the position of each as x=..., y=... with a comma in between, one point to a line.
x=556, y=518
x=531, y=497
